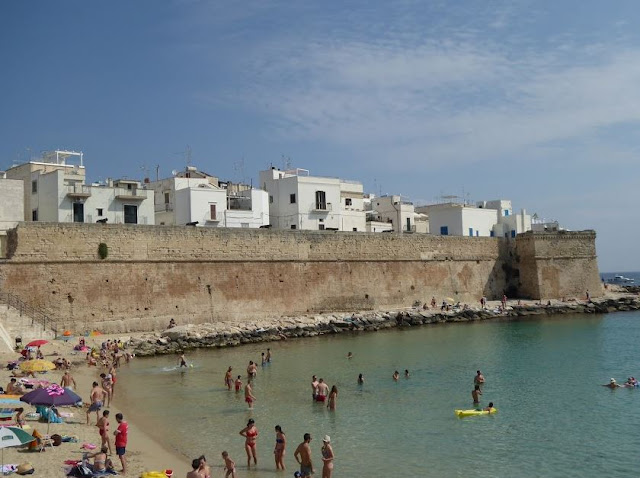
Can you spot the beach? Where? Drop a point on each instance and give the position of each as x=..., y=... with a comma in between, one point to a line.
x=145, y=451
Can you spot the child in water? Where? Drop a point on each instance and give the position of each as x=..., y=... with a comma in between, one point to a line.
x=229, y=466
x=238, y=383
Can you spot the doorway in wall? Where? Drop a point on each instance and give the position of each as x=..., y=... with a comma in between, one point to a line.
x=130, y=214
x=78, y=212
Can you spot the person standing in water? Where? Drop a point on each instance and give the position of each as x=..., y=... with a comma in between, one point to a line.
x=396, y=375
x=268, y=355
x=182, y=362
x=333, y=398
x=281, y=445
x=228, y=379
x=248, y=395
x=252, y=370
x=360, y=379
x=406, y=373
x=327, y=457
x=250, y=433
x=314, y=387
x=303, y=457
x=475, y=394
x=238, y=384
x=479, y=378
x=322, y=391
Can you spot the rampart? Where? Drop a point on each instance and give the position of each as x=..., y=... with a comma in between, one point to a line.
x=153, y=273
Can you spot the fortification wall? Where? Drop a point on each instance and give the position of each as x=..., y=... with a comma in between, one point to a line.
x=153, y=273
x=557, y=265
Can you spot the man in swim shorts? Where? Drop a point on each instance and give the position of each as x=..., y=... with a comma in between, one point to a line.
x=122, y=435
x=103, y=430
x=479, y=378
x=314, y=387
x=322, y=391
x=97, y=397
x=303, y=457
x=475, y=393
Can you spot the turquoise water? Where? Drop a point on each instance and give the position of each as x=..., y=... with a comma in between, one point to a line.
x=544, y=376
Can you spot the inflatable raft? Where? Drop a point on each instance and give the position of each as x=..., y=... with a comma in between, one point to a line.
x=471, y=413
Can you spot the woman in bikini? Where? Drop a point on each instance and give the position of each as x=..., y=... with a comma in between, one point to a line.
x=206, y=470
x=327, y=457
x=281, y=444
x=100, y=461
x=250, y=432
x=333, y=397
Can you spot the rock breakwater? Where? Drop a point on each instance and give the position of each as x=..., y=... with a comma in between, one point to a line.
x=227, y=334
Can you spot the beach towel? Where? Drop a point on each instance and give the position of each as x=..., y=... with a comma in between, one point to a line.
x=6, y=469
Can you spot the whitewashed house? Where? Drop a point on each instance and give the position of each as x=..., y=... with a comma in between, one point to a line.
x=484, y=219
x=55, y=191
x=195, y=197
x=392, y=213
x=300, y=201
x=11, y=207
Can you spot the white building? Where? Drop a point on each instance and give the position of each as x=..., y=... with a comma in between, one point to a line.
x=11, y=207
x=485, y=219
x=300, y=201
x=392, y=213
x=55, y=191
x=192, y=196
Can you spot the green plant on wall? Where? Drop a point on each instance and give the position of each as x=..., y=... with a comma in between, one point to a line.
x=103, y=250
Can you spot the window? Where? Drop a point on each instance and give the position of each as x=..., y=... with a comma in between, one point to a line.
x=129, y=187
x=347, y=202
x=166, y=198
x=471, y=232
x=244, y=224
x=270, y=199
x=444, y=230
x=212, y=212
x=292, y=198
x=355, y=229
x=99, y=211
x=293, y=226
x=321, y=200
x=506, y=212
x=513, y=233
x=321, y=227
x=34, y=215
x=320, y=220
x=492, y=234
x=130, y=214
x=477, y=233
x=34, y=187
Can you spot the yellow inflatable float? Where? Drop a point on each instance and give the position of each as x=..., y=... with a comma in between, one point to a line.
x=471, y=413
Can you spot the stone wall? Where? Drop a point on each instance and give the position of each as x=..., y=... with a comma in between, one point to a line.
x=200, y=275
x=558, y=264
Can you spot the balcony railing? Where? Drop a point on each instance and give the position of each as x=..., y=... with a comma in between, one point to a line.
x=79, y=191
x=135, y=194
x=164, y=208
x=318, y=207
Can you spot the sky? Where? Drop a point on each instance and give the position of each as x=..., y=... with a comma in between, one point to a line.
x=533, y=101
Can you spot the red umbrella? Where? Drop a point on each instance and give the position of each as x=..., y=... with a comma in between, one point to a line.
x=37, y=343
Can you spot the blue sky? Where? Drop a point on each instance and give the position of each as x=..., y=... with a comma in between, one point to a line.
x=535, y=101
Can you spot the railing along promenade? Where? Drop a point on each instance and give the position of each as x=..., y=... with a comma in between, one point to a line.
x=37, y=315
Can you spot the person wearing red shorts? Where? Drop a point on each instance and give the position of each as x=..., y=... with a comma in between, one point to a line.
x=248, y=395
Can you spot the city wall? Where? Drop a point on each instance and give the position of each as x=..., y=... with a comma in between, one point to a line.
x=153, y=273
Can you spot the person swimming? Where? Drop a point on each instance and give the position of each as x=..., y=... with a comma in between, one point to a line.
x=360, y=379
x=489, y=408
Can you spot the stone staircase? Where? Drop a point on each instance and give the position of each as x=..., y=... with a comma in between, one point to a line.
x=18, y=319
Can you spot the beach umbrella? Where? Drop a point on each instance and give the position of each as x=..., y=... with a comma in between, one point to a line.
x=53, y=395
x=13, y=436
x=37, y=365
x=37, y=343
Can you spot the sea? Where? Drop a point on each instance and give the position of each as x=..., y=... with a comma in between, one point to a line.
x=606, y=276
x=544, y=375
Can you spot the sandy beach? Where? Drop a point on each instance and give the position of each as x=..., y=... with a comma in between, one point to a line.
x=144, y=451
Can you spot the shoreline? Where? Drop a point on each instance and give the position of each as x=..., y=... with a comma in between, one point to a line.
x=145, y=451
x=232, y=334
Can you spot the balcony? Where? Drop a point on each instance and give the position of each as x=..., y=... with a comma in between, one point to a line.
x=321, y=208
x=78, y=191
x=134, y=194
x=163, y=207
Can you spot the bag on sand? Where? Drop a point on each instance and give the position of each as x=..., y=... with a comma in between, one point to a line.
x=80, y=471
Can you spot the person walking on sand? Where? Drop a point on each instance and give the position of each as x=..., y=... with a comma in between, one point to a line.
x=106, y=386
x=229, y=466
x=281, y=445
x=333, y=398
x=122, y=435
x=250, y=433
x=504, y=301
x=228, y=379
x=475, y=394
x=96, y=400
x=327, y=457
x=248, y=395
x=103, y=430
x=68, y=381
x=303, y=457
x=479, y=378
